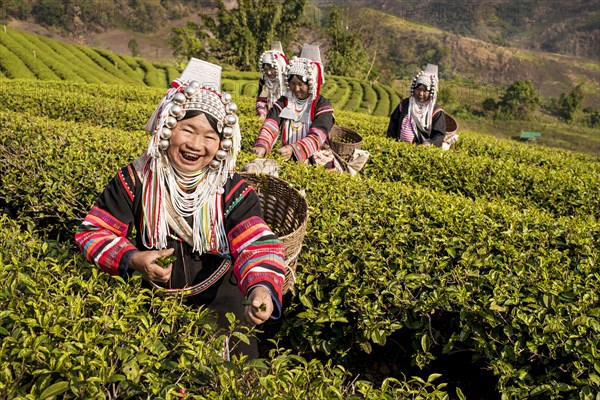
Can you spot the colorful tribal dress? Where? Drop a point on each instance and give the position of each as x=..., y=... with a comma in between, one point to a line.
x=305, y=136
x=403, y=126
x=270, y=89
x=256, y=253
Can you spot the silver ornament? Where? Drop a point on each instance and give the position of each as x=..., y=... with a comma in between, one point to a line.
x=226, y=144
x=214, y=164
x=189, y=91
x=176, y=110
x=171, y=122
x=163, y=145
x=179, y=98
x=227, y=132
x=231, y=119
x=195, y=84
x=231, y=108
x=166, y=133
x=226, y=97
x=221, y=154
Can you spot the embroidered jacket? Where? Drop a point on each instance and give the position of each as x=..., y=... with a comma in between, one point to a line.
x=399, y=117
x=256, y=252
x=265, y=99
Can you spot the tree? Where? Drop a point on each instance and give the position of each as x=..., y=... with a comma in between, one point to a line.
x=133, y=47
x=291, y=18
x=346, y=56
x=239, y=36
x=188, y=41
x=569, y=104
x=49, y=12
x=519, y=101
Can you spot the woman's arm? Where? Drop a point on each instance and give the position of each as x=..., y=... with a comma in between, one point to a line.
x=261, y=101
x=257, y=252
x=438, y=128
x=393, y=130
x=270, y=129
x=102, y=236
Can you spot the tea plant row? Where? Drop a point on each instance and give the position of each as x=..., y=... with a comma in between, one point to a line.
x=73, y=332
x=30, y=56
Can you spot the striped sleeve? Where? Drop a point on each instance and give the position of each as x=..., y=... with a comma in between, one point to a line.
x=318, y=132
x=269, y=132
x=102, y=236
x=261, y=107
x=257, y=252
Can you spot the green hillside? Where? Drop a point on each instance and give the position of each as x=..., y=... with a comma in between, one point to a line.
x=569, y=28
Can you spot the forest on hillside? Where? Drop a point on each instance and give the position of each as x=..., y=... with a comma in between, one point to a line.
x=571, y=28
x=565, y=27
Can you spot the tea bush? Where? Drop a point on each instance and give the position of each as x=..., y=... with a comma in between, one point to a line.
x=75, y=332
x=499, y=260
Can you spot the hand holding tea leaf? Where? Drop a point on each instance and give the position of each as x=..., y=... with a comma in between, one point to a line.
x=259, y=305
x=262, y=307
x=148, y=264
x=165, y=261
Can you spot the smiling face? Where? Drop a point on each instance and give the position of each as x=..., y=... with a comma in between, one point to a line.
x=193, y=145
x=421, y=93
x=298, y=88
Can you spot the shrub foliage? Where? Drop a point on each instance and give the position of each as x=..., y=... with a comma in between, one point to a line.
x=491, y=249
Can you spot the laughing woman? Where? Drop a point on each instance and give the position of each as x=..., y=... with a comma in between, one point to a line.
x=184, y=200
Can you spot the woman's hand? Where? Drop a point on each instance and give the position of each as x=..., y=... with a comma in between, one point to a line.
x=259, y=151
x=261, y=306
x=144, y=263
x=286, y=152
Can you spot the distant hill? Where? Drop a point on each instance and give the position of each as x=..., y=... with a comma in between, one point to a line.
x=567, y=27
x=395, y=39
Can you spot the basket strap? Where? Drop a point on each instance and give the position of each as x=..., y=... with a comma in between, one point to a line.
x=199, y=287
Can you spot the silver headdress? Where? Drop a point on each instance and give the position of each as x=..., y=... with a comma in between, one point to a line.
x=429, y=78
x=198, y=89
x=275, y=57
x=422, y=115
x=310, y=68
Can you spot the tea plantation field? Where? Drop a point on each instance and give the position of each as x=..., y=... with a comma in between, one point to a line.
x=25, y=55
x=471, y=273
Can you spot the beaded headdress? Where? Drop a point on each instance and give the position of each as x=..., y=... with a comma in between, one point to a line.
x=310, y=68
x=197, y=89
x=275, y=58
x=429, y=78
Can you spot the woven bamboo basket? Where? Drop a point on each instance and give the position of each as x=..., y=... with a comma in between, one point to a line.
x=285, y=211
x=344, y=141
x=451, y=125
